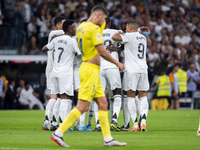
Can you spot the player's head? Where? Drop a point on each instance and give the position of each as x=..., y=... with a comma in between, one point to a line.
x=99, y=13
x=58, y=22
x=113, y=26
x=132, y=26
x=108, y=23
x=69, y=27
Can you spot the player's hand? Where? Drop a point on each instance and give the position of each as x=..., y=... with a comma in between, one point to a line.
x=121, y=66
x=120, y=32
x=144, y=29
x=53, y=37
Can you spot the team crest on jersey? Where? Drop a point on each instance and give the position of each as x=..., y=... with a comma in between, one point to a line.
x=98, y=36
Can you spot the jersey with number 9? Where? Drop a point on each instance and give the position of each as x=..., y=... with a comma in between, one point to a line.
x=135, y=52
x=88, y=36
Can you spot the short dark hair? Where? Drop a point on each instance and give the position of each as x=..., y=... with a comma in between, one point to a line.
x=100, y=8
x=66, y=24
x=108, y=20
x=134, y=24
x=58, y=20
x=26, y=83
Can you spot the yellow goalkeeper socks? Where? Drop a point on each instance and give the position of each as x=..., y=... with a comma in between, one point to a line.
x=103, y=120
x=69, y=120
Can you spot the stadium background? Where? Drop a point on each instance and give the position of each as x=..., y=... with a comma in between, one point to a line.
x=25, y=25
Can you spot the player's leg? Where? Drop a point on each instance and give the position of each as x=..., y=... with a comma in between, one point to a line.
x=49, y=107
x=144, y=108
x=126, y=115
x=55, y=118
x=132, y=110
x=103, y=83
x=98, y=126
x=90, y=115
x=68, y=122
x=138, y=108
x=116, y=108
x=143, y=87
x=103, y=117
x=66, y=91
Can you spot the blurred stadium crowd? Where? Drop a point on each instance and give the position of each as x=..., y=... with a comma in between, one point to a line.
x=174, y=25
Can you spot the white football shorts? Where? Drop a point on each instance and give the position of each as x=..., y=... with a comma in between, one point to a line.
x=63, y=85
x=111, y=77
x=135, y=81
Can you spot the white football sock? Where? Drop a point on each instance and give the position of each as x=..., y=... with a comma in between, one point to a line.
x=116, y=106
x=132, y=108
x=82, y=119
x=199, y=128
x=77, y=122
x=64, y=106
x=90, y=112
x=144, y=108
x=111, y=108
x=56, y=112
x=138, y=105
x=49, y=110
x=96, y=114
x=126, y=112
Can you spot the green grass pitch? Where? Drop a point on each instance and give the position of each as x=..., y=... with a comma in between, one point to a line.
x=170, y=129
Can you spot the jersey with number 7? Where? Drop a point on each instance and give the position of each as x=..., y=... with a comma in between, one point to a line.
x=135, y=52
x=64, y=48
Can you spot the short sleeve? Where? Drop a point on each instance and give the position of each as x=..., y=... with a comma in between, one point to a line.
x=96, y=36
x=125, y=38
x=50, y=45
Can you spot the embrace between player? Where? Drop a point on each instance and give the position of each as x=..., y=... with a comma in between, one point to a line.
x=91, y=46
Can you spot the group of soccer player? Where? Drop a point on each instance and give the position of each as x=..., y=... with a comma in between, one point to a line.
x=89, y=64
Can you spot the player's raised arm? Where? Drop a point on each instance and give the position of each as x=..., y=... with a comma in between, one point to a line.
x=117, y=36
x=107, y=56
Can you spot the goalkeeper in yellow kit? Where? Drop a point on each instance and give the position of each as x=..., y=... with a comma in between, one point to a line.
x=89, y=40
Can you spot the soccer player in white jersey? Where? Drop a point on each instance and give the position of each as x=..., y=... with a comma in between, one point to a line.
x=64, y=48
x=53, y=104
x=135, y=76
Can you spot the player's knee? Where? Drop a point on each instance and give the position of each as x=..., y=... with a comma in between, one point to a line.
x=103, y=105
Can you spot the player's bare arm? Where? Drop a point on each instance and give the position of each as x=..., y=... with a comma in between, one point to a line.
x=144, y=29
x=117, y=36
x=112, y=48
x=45, y=49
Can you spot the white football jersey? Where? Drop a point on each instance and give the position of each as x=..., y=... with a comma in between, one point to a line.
x=107, y=40
x=77, y=59
x=63, y=49
x=49, y=66
x=135, y=52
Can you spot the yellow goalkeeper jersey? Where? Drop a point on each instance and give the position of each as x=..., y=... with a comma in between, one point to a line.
x=88, y=36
